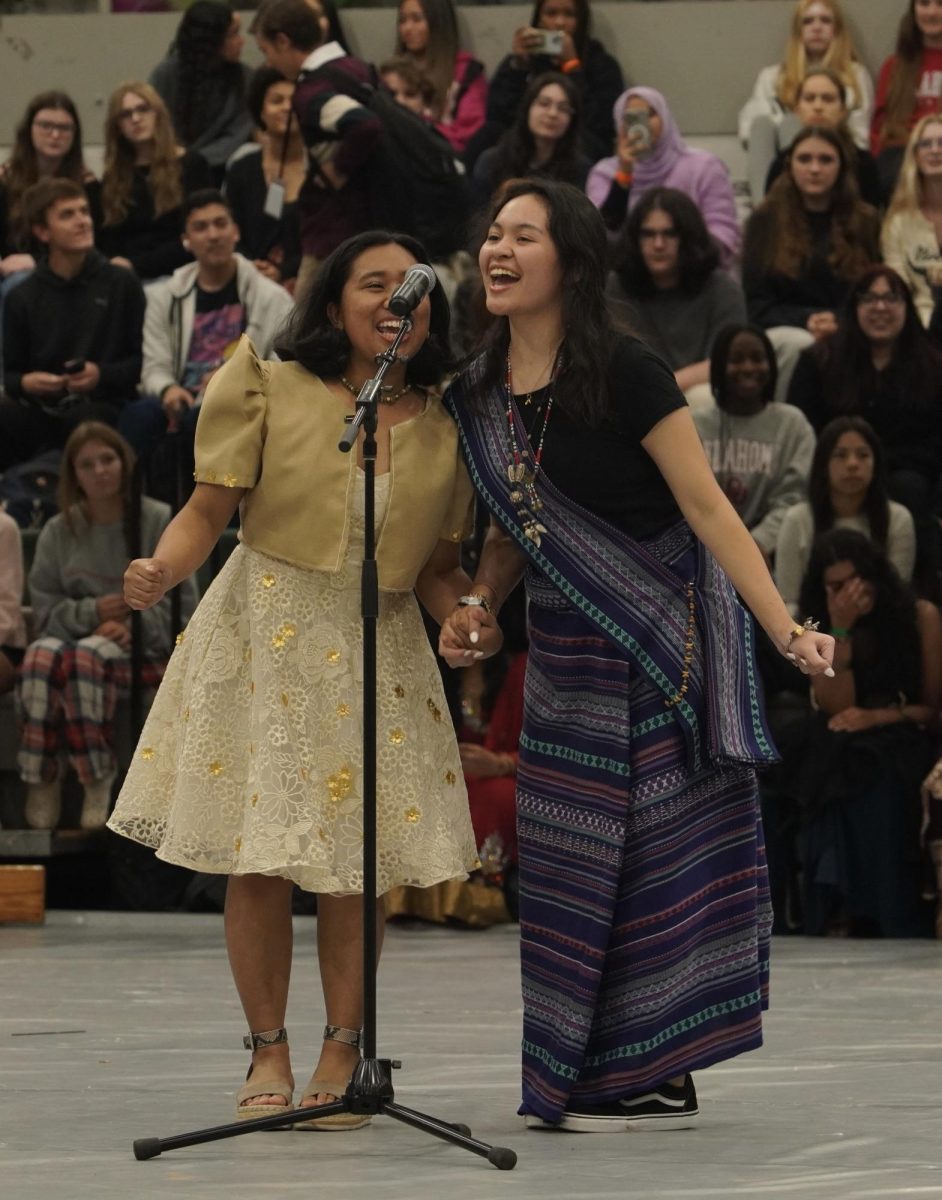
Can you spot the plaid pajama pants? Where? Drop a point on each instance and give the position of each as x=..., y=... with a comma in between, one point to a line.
x=67, y=693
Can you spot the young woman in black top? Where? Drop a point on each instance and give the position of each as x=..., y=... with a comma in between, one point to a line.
x=584, y=59
x=543, y=141
x=881, y=365
x=147, y=177
x=581, y=445
x=278, y=162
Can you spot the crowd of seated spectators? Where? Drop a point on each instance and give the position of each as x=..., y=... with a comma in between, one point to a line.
x=806, y=333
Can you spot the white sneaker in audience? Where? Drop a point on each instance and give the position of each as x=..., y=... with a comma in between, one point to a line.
x=43, y=804
x=96, y=802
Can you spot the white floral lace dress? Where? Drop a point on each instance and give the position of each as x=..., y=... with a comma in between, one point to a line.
x=251, y=759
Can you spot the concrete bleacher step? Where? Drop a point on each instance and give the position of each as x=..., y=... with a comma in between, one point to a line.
x=22, y=894
x=49, y=843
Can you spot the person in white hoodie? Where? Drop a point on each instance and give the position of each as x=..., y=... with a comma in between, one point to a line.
x=193, y=322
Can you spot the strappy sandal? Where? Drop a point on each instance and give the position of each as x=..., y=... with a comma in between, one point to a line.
x=338, y=1122
x=267, y=1087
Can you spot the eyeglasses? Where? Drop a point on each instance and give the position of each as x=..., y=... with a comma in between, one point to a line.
x=55, y=127
x=929, y=143
x=651, y=235
x=136, y=110
x=872, y=299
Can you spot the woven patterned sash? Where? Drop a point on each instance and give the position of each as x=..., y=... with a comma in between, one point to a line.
x=635, y=593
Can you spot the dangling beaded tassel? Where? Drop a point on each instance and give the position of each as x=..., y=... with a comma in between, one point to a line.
x=688, y=649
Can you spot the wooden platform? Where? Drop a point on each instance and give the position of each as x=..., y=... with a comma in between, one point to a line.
x=22, y=895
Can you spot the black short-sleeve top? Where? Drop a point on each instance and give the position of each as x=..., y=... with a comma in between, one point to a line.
x=607, y=470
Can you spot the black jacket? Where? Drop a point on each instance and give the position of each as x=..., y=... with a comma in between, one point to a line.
x=97, y=316
x=152, y=244
x=599, y=79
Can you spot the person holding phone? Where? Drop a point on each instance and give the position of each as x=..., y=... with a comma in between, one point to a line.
x=72, y=332
x=650, y=152
x=556, y=39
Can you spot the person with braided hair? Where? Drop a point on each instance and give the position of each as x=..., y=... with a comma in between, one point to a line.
x=203, y=83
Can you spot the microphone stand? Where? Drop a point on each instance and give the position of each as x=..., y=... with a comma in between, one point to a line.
x=370, y=1089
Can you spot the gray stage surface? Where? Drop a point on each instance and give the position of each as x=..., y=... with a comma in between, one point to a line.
x=114, y=1027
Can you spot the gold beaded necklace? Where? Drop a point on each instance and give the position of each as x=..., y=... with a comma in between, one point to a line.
x=390, y=397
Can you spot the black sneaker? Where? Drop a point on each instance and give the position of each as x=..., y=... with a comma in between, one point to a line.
x=665, y=1107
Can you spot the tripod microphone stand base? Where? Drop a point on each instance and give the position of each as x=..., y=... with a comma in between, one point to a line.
x=370, y=1092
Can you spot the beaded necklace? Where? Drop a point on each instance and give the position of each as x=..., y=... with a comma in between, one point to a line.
x=523, y=494
x=391, y=398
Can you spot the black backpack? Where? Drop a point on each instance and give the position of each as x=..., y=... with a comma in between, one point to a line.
x=416, y=184
x=28, y=490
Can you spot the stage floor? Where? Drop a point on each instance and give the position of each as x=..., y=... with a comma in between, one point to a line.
x=120, y=1026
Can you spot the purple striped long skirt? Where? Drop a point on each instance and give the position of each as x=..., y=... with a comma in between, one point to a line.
x=644, y=906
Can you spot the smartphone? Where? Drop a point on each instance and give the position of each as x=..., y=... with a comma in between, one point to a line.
x=551, y=42
x=73, y=366
x=637, y=125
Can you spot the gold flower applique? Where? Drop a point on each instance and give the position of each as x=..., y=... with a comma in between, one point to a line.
x=396, y=737
x=343, y=710
x=147, y=753
x=333, y=656
x=268, y=580
x=229, y=481
x=179, y=638
x=399, y=691
x=280, y=639
x=413, y=815
x=434, y=709
x=340, y=785
x=215, y=768
x=450, y=778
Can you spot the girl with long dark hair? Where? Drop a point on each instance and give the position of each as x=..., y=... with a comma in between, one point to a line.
x=667, y=287
x=543, y=141
x=592, y=69
x=641, y=723
x=808, y=241
x=146, y=178
x=881, y=365
x=203, y=83
x=846, y=490
x=261, y=779
x=855, y=767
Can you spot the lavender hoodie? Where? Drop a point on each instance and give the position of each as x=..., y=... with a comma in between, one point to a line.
x=672, y=163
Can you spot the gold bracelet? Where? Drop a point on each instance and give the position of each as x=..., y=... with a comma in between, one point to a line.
x=797, y=631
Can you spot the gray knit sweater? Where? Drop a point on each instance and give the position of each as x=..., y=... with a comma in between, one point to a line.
x=71, y=570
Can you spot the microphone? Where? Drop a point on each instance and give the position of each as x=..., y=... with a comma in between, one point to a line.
x=417, y=284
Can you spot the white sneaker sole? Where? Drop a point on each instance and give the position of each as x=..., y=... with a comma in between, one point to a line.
x=576, y=1123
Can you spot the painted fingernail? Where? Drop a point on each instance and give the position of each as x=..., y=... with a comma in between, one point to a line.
x=479, y=654
x=830, y=672
x=791, y=656
x=467, y=653
x=475, y=636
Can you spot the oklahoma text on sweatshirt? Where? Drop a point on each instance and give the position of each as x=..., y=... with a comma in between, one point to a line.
x=761, y=463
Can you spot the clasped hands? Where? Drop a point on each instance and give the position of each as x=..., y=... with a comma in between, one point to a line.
x=469, y=634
